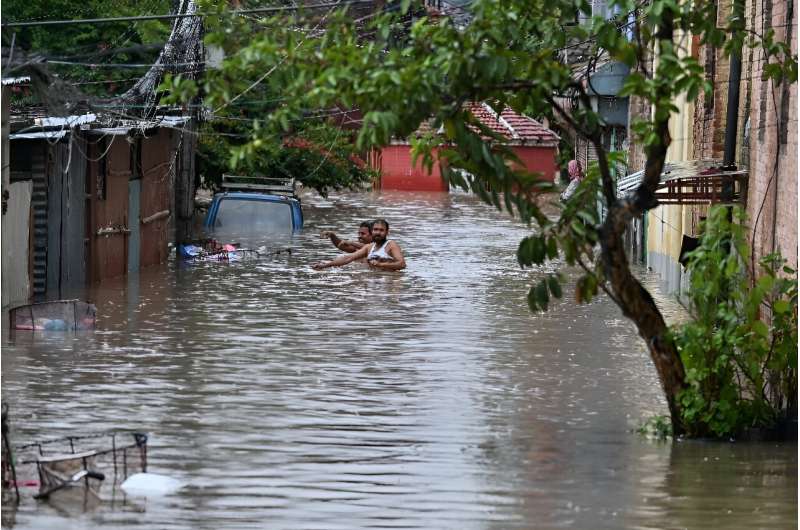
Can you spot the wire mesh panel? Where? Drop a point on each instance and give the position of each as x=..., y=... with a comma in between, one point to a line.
x=108, y=458
x=59, y=315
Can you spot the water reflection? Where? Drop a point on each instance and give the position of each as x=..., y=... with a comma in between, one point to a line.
x=346, y=398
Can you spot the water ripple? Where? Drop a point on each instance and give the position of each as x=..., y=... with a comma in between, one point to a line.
x=292, y=398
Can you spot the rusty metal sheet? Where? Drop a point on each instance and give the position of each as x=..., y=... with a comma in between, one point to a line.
x=108, y=179
x=157, y=169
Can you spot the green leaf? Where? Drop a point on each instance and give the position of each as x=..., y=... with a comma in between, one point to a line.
x=780, y=307
x=555, y=286
x=525, y=252
x=578, y=228
x=538, y=251
x=761, y=329
x=552, y=248
x=541, y=295
x=588, y=217
x=532, y=304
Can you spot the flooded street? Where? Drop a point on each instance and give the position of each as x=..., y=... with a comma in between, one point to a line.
x=289, y=398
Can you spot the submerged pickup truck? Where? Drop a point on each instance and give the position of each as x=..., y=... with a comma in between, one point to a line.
x=258, y=204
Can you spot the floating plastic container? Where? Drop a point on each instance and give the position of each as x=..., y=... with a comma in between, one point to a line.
x=58, y=315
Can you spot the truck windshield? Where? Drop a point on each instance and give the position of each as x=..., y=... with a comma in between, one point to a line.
x=263, y=216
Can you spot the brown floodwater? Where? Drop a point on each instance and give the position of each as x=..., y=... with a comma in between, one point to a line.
x=289, y=398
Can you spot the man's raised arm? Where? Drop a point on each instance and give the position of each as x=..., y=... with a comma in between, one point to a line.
x=350, y=246
x=342, y=260
x=342, y=244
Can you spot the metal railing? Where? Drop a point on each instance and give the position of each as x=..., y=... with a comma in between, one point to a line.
x=280, y=186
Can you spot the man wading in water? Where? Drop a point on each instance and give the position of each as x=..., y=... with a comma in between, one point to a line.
x=364, y=238
x=381, y=254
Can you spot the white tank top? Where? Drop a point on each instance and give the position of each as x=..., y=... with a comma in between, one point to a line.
x=380, y=254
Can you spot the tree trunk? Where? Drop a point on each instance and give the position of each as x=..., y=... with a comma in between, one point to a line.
x=638, y=305
x=634, y=300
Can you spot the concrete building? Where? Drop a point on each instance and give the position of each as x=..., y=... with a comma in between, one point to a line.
x=664, y=228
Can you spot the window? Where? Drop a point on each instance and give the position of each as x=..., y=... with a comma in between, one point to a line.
x=255, y=215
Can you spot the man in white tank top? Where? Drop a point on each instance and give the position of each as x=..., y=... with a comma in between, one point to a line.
x=382, y=254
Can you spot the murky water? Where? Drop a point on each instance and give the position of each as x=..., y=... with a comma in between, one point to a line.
x=291, y=398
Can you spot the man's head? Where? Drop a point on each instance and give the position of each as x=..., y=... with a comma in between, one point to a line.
x=364, y=232
x=380, y=229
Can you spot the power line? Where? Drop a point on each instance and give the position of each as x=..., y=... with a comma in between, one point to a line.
x=177, y=15
x=122, y=65
x=279, y=63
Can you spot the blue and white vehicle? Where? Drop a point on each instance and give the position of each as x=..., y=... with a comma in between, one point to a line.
x=255, y=204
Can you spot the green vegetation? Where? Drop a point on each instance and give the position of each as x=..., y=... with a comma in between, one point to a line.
x=740, y=348
x=88, y=44
x=658, y=427
x=319, y=156
x=101, y=58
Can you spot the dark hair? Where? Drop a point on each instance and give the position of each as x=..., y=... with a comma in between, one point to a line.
x=384, y=222
x=367, y=225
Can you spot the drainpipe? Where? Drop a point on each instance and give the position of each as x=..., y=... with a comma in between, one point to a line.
x=729, y=157
x=732, y=118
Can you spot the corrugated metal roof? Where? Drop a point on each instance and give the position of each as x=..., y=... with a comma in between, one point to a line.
x=50, y=135
x=127, y=126
x=689, y=182
x=672, y=170
x=8, y=81
x=67, y=121
x=57, y=127
x=114, y=131
x=174, y=120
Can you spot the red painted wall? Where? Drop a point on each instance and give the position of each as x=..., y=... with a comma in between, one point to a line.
x=397, y=173
x=541, y=159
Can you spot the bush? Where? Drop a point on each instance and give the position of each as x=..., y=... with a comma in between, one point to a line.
x=740, y=348
x=320, y=157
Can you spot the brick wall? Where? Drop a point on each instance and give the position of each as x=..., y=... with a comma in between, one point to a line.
x=708, y=132
x=638, y=109
x=767, y=128
x=772, y=139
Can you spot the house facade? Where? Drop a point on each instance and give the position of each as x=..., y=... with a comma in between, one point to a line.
x=99, y=200
x=534, y=144
x=761, y=146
